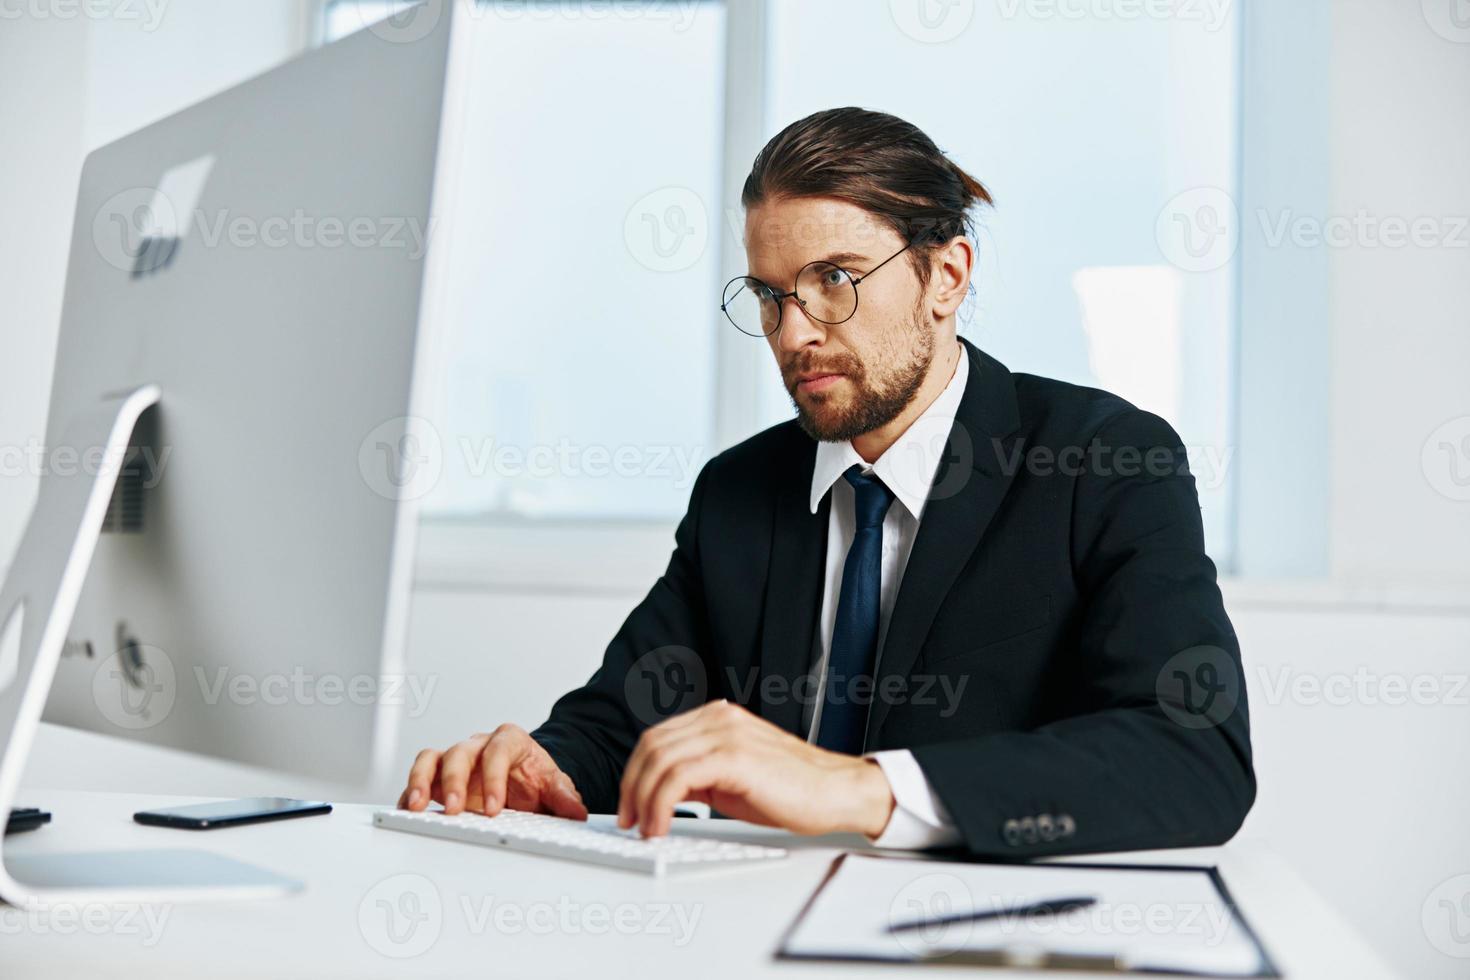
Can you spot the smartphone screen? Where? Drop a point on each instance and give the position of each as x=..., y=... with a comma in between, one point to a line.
x=229, y=813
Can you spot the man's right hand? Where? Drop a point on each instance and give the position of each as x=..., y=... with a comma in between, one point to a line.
x=486, y=773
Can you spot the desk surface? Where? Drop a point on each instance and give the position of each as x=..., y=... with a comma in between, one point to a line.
x=379, y=903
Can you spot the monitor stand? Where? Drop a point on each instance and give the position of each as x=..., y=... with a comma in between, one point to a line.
x=37, y=603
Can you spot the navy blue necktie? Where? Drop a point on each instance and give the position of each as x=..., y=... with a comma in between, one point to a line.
x=855, y=633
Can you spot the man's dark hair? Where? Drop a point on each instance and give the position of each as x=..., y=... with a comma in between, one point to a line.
x=877, y=162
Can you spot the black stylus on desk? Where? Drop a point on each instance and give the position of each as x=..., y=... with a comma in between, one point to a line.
x=1055, y=906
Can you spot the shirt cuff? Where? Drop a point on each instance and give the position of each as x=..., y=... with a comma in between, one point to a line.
x=919, y=819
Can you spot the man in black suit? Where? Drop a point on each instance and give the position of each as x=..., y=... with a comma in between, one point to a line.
x=945, y=605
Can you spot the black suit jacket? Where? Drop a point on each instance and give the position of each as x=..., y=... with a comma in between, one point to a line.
x=1058, y=658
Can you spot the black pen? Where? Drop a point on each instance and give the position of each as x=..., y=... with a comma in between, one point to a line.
x=1056, y=906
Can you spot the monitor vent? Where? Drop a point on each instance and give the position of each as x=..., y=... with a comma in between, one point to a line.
x=125, y=509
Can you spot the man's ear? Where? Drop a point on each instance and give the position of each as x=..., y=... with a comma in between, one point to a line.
x=949, y=276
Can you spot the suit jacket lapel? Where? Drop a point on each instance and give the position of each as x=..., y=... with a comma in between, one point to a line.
x=967, y=491
x=793, y=596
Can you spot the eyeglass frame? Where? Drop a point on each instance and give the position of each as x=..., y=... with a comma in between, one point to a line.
x=780, y=298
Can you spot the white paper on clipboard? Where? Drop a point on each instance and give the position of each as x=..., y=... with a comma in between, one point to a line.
x=1145, y=918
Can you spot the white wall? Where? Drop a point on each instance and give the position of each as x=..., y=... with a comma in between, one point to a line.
x=1365, y=795
x=1401, y=331
x=43, y=77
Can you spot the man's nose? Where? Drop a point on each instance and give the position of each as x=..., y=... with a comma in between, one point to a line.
x=798, y=329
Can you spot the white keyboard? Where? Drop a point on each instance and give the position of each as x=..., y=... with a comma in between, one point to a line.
x=537, y=833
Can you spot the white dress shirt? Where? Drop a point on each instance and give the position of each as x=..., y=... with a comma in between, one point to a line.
x=907, y=468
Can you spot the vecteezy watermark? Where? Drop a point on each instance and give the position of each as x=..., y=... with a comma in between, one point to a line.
x=679, y=14
x=408, y=22
x=922, y=690
x=127, y=919
x=1199, y=687
x=298, y=687
x=668, y=681
x=1445, y=459
x=667, y=230
x=404, y=915
x=1363, y=687
x=1199, y=230
x=567, y=459
x=36, y=459
x=301, y=229
x=140, y=230
x=1445, y=917
x=665, y=682
x=1362, y=229
x=932, y=21
x=136, y=687
x=947, y=439
x=1212, y=15
x=404, y=459
x=401, y=917
x=1208, y=464
x=932, y=899
x=147, y=14
x=1450, y=19
x=567, y=917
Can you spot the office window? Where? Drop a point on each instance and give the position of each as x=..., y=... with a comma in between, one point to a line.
x=581, y=355
x=1108, y=136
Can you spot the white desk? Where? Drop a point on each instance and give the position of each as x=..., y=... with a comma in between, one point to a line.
x=722, y=923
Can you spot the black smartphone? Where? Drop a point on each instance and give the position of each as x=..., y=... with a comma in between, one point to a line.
x=230, y=813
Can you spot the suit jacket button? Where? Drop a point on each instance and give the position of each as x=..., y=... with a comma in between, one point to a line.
x=1066, y=826
x=1046, y=827
x=1011, y=833
x=1028, y=829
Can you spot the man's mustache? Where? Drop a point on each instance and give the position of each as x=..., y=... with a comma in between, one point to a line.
x=846, y=364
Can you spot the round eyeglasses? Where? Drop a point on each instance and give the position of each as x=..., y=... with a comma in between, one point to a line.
x=826, y=292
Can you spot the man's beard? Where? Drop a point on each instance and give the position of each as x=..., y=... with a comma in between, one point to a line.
x=875, y=404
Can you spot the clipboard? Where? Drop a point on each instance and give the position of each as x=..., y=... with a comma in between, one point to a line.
x=848, y=918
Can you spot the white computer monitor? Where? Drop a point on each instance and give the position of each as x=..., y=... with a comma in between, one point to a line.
x=251, y=300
